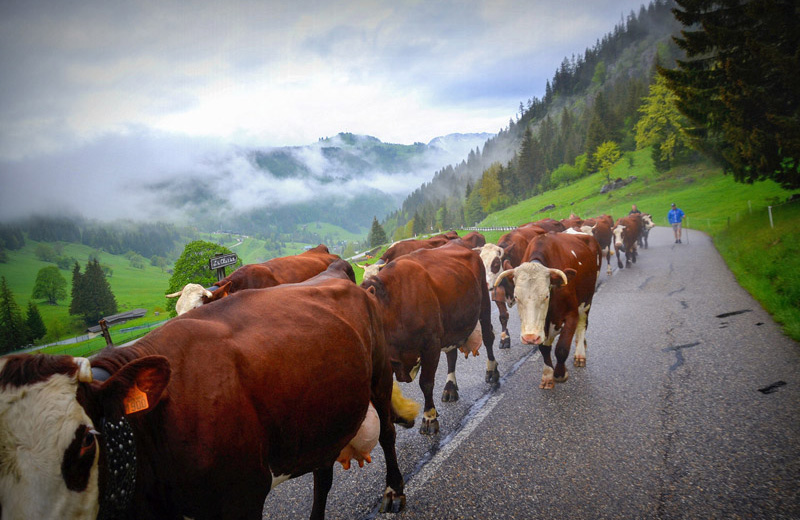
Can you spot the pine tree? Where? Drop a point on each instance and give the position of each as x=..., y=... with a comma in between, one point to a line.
x=94, y=294
x=739, y=85
x=76, y=303
x=34, y=323
x=377, y=235
x=12, y=326
x=418, y=226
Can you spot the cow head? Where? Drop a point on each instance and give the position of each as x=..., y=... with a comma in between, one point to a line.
x=491, y=256
x=53, y=455
x=371, y=270
x=190, y=296
x=647, y=220
x=619, y=234
x=533, y=284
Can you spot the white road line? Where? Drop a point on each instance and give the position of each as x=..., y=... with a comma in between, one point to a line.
x=420, y=479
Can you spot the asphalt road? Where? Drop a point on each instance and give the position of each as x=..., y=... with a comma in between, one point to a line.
x=689, y=407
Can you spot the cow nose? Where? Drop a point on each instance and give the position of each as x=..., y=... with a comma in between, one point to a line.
x=531, y=339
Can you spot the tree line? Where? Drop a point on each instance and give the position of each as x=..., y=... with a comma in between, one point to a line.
x=720, y=80
x=592, y=100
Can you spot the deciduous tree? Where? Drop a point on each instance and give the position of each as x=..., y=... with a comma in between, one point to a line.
x=192, y=267
x=607, y=154
x=50, y=285
x=661, y=125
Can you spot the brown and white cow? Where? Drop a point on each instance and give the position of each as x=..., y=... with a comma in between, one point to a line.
x=203, y=416
x=277, y=271
x=601, y=229
x=647, y=225
x=626, y=238
x=404, y=247
x=507, y=253
x=434, y=300
x=554, y=290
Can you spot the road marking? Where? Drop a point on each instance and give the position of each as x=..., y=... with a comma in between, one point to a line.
x=430, y=468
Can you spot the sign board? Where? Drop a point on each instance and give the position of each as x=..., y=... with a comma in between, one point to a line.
x=220, y=261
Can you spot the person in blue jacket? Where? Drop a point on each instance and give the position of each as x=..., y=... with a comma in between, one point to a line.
x=675, y=217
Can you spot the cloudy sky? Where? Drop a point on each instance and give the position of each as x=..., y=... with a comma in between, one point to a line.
x=106, y=93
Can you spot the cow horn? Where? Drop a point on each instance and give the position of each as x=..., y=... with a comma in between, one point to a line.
x=502, y=275
x=175, y=294
x=560, y=273
x=84, y=369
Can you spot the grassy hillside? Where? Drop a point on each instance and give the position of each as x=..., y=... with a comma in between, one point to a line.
x=765, y=260
x=701, y=190
x=133, y=288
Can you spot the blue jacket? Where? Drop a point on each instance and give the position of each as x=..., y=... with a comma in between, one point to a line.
x=675, y=215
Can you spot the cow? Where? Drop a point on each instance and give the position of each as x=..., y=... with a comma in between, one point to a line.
x=647, y=225
x=626, y=238
x=401, y=248
x=204, y=415
x=553, y=289
x=549, y=224
x=506, y=254
x=434, y=300
x=472, y=240
x=286, y=269
x=601, y=229
x=573, y=222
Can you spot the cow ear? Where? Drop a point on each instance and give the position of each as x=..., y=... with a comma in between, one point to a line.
x=507, y=265
x=221, y=292
x=371, y=290
x=138, y=386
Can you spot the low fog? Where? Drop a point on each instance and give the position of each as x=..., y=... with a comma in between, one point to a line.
x=149, y=176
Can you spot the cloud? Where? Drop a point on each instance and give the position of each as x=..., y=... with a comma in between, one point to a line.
x=102, y=101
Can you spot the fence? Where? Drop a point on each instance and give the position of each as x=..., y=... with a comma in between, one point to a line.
x=770, y=215
x=85, y=346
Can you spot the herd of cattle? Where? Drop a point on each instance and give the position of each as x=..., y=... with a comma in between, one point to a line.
x=203, y=416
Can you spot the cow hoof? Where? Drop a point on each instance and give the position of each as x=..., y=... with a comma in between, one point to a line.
x=429, y=427
x=404, y=423
x=579, y=361
x=547, y=384
x=562, y=379
x=450, y=393
x=392, y=503
x=493, y=377
x=505, y=343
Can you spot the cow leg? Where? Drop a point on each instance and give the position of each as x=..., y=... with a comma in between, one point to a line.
x=487, y=333
x=547, y=372
x=450, y=392
x=394, y=499
x=608, y=261
x=323, y=480
x=580, y=335
x=430, y=417
x=619, y=258
x=505, y=338
x=560, y=373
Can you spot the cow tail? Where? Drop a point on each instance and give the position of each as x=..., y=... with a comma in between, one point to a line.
x=404, y=408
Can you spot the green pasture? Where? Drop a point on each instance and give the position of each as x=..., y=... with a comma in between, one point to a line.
x=765, y=260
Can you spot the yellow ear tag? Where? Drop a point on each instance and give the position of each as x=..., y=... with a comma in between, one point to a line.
x=135, y=401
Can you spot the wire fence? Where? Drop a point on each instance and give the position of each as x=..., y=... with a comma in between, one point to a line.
x=770, y=215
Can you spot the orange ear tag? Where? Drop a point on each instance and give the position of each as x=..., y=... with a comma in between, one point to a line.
x=135, y=401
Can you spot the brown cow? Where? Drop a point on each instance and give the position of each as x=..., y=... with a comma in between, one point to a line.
x=554, y=290
x=432, y=300
x=549, y=224
x=506, y=254
x=204, y=415
x=286, y=269
x=626, y=238
x=600, y=228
